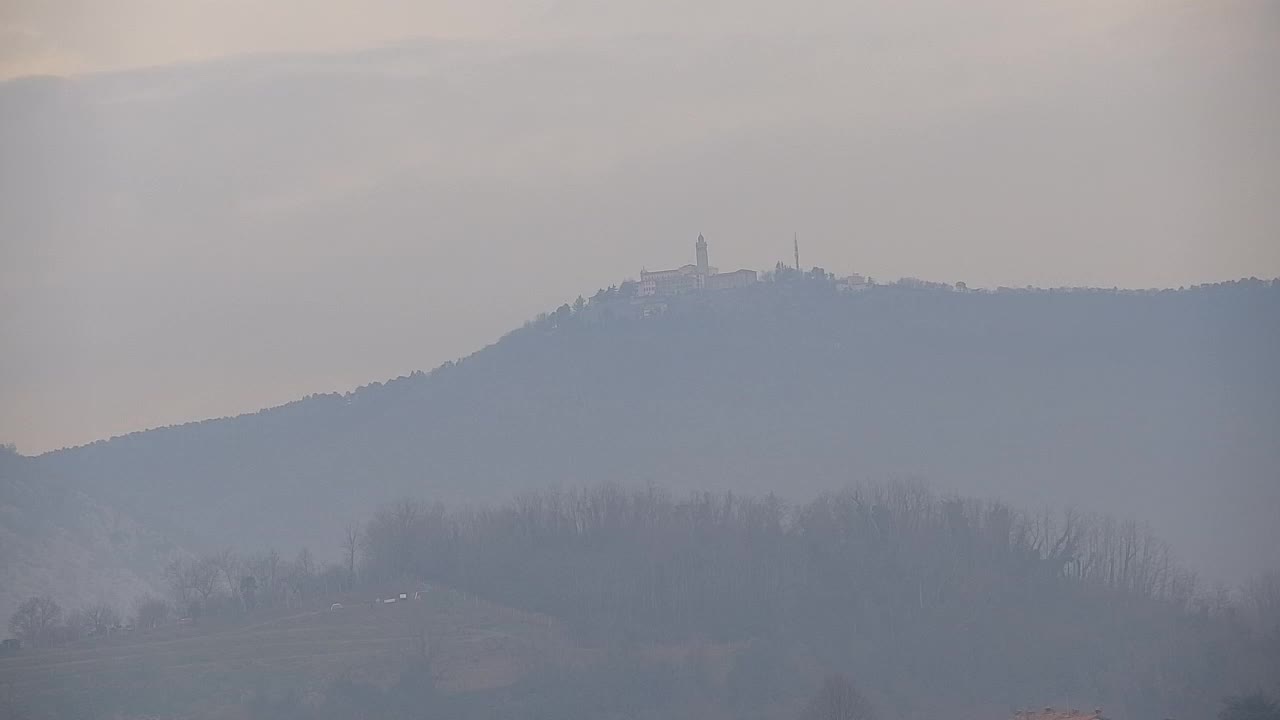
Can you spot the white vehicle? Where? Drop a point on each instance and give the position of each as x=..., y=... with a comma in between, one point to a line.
x=388, y=601
x=404, y=596
x=336, y=606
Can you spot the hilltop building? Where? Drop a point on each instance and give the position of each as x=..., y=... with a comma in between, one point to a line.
x=735, y=279
x=853, y=283
x=692, y=278
x=1051, y=714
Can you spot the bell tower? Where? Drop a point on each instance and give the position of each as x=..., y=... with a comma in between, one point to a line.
x=704, y=268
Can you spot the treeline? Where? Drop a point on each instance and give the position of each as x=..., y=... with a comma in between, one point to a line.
x=667, y=552
x=224, y=585
x=227, y=582
x=929, y=600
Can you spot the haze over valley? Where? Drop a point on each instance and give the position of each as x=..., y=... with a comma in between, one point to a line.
x=643, y=360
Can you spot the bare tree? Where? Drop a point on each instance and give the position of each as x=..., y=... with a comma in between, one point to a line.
x=228, y=564
x=1262, y=601
x=304, y=565
x=271, y=574
x=838, y=699
x=204, y=577
x=75, y=626
x=396, y=538
x=151, y=612
x=175, y=573
x=350, y=546
x=193, y=578
x=249, y=592
x=101, y=617
x=36, y=620
x=299, y=578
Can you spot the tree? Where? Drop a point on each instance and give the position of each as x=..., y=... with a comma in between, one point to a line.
x=561, y=314
x=228, y=564
x=268, y=568
x=304, y=565
x=350, y=546
x=1250, y=707
x=1262, y=601
x=193, y=578
x=151, y=612
x=398, y=538
x=75, y=626
x=100, y=618
x=299, y=578
x=838, y=699
x=204, y=577
x=36, y=620
x=195, y=610
x=249, y=591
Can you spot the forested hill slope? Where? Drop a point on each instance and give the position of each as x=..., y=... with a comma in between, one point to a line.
x=1164, y=406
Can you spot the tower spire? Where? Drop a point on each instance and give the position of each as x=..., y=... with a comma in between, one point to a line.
x=795, y=240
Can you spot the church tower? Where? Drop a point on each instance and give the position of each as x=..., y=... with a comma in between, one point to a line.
x=704, y=268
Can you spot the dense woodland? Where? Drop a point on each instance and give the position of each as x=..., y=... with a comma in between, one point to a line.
x=931, y=602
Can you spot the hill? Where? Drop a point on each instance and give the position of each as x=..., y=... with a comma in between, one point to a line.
x=57, y=540
x=1160, y=405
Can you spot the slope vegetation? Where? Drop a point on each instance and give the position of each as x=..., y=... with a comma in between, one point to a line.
x=57, y=540
x=1159, y=405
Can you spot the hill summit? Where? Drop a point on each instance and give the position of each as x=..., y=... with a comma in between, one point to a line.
x=1161, y=405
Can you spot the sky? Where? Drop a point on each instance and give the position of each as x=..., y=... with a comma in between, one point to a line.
x=212, y=207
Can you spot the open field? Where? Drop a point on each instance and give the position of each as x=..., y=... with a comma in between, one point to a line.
x=209, y=669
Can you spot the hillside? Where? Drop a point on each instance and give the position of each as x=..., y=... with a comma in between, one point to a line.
x=254, y=668
x=56, y=540
x=1160, y=405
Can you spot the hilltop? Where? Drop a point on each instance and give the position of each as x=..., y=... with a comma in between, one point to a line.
x=1158, y=405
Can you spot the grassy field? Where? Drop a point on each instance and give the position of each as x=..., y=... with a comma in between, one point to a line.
x=208, y=670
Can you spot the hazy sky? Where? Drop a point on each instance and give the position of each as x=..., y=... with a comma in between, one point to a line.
x=228, y=204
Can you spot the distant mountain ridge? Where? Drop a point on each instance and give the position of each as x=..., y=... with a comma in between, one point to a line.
x=1159, y=405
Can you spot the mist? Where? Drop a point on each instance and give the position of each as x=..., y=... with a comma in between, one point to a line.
x=834, y=360
x=298, y=212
